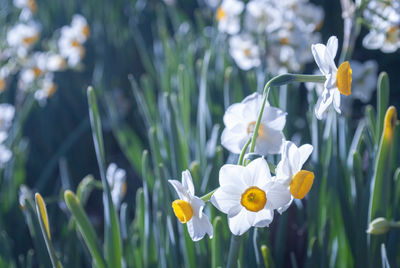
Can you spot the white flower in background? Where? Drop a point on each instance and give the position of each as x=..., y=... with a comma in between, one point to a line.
x=7, y=112
x=69, y=46
x=189, y=208
x=262, y=17
x=338, y=80
x=24, y=194
x=47, y=88
x=309, y=16
x=289, y=170
x=244, y=51
x=72, y=38
x=5, y=155
x=26, y=4
x=80, y=27
x=386, y=19
x=23, y=36
x=55, y=62
x=116, y=178
x=240, y=120
x=365, y=78
x=4, y=73
x=248, y=195
x=388, y=40
x=228, y=16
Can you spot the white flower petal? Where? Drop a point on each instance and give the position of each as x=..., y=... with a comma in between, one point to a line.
x=180, y=190
x=232, y=175
x=274, y=118
x=239, y=223
x=259, y=173
x=318, y=51
x=270, y=143
x=234, y=139
x=263, y=218
x=187, y=181
x=323, y=103
x=198, y=227
x=332, y=46
x=227, y=198
x=278, y=195
x=305, y=152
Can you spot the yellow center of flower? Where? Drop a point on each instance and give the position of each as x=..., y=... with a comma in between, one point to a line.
x=251, y=127
x=75, y=43
x=253, y=199
x=30, y=40
x=247, y=52
x=183, y=210
x=32, y=5
x=51, y=90
x=392, y=34
x=284, y=41
x=2, y=84
x=301, y=183
x=220, y=14
x=36, y=72
x=343, y=78
x=86, y=31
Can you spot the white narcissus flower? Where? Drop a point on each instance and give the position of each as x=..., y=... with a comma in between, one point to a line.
x=189, y=208
x=228, y=16
x=262, y=17
x=248, y=195
x=289, y=170
x=116, y=178
x=80, y=27
x=23, y=36
x=338, y=80
x=240, y=120
x=388, y=40
x=244, y=51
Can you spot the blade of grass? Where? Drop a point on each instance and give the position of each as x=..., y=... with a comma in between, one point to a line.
x=113, y=245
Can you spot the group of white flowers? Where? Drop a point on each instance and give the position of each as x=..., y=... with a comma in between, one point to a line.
x=36, y=68
x=383, y=18
x=275, y=34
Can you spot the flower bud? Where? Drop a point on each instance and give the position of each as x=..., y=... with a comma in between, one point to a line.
x=379, y=226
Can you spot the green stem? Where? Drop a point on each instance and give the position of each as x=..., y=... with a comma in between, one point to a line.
x=279, y=81
x=207, y=197
x=234, y=251
x=241, y=157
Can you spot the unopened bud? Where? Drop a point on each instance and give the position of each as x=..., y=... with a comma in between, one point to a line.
x=379, y=226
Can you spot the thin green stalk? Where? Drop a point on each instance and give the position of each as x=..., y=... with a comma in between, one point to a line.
x=242, y=153
x=234, y=251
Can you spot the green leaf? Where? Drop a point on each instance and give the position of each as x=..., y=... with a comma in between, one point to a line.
x=216, y=244
x=383, y=102
x=45, y=227
x=85, y=227
x=112, y=236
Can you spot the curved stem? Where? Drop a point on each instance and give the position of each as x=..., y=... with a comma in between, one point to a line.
x=241, y=157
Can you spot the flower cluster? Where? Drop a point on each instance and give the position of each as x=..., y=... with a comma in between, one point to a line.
x=35, y=68
x=383, y=17
x=248, y=193
x=276, y=34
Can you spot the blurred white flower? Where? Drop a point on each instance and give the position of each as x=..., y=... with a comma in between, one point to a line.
x=228, y=16
x=244, y=51
x=46, y=89
x=262, y=17
x=72, y=38
x=116, y=178
x=7, y=112
x=240, y=120
x=24, y=194
x=365, y=78
x=338, y=80
x=189, y=208
x=26, y=4
x=80, y=27
x=248, y=195
x=289, y=170
x=386, y=19
x=23, y=36
x=5, y=155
